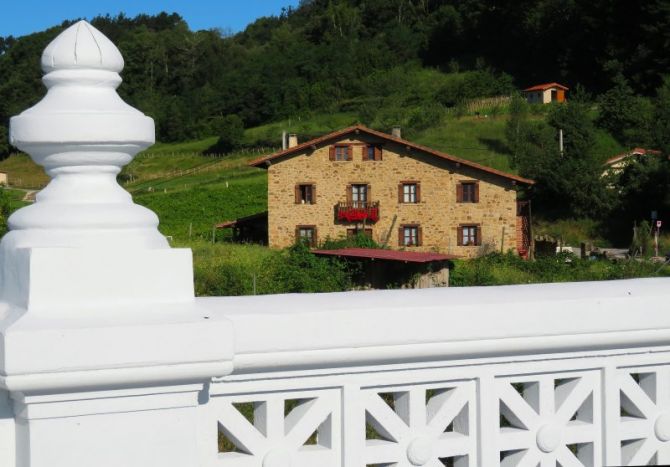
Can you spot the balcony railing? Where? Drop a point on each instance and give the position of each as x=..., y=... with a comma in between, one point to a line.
x=357, y=211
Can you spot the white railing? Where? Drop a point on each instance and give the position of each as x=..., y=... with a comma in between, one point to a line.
x=108, y=360
x=550, y=375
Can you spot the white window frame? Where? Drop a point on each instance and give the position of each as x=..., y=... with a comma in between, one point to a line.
x=410, y=235
x=409, y=193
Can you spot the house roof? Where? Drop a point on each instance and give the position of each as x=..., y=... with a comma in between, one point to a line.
x=241, y=220
x=545, y=86
x=632, y=152
x=386, y=255
x=262, y=162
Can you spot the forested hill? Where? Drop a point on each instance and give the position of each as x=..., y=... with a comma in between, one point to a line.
x=360, y=55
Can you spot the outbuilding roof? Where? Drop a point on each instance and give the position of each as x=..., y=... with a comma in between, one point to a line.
x=263, y=162
x=241, y=220
x=633, y=152
x=545, y=86
x=386, y=255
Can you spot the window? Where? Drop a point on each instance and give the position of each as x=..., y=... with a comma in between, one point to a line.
x=359, y=195
x=372, y=152
x=409, y=235
x=306, y=234
x=340, y=152
x=305, y=193
x=469, y=235
x=353, y=232
x=409, y=192
x=467, y=192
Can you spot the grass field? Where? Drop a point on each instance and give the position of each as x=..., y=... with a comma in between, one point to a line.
x=480, y=140
x=22, y=172
x=307, y=126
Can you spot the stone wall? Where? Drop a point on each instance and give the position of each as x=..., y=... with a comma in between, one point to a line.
x=438, y=213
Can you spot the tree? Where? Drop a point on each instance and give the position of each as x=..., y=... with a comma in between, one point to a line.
x=569, y=184
x=626, y=116
x=4, y=142
x=230, y=130
x=5, y=211
x=516, y=126
x=661, y=125
x=644, y=184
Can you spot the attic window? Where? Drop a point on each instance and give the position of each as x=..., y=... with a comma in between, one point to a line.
x=372, y=152
x=340, y=152
x=467, y=192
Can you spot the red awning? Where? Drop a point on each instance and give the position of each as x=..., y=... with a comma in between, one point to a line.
x=386, y=255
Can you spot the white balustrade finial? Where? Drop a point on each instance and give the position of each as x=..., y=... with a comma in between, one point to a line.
x=81, y=46
x=100, y=331
x=84, y=241
x=83, y=134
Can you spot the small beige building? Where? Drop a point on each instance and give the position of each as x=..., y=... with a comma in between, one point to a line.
x=545, y=93
x=401, y=194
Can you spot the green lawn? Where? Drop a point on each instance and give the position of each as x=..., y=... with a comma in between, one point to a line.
x=16, y=198
x=195, y=203
x=310, y=126
x=606, y=146
x=480, y=140
x=212, y=261
x=198, y=146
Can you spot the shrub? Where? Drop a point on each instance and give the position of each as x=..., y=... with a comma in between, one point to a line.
x=641, y=243
x=230, y=130
x=298, y=270
x=4, y=142
x=5, y=211
x=426, y=117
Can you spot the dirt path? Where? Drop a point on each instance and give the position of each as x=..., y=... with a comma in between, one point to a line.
x=29, y=196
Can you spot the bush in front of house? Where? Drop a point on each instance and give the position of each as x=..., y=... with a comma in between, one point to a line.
x=296, y=269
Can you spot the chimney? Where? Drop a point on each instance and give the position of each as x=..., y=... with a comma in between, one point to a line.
x=292, y=140
x=396, y=132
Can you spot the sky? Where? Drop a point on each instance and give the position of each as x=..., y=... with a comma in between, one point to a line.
x=21, y=17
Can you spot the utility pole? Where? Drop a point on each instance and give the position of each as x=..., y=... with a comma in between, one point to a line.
x=560, y=140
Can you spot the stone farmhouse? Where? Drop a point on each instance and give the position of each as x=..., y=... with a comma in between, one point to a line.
x=401, y=194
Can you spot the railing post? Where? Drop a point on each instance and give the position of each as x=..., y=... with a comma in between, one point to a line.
x=105, y=350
